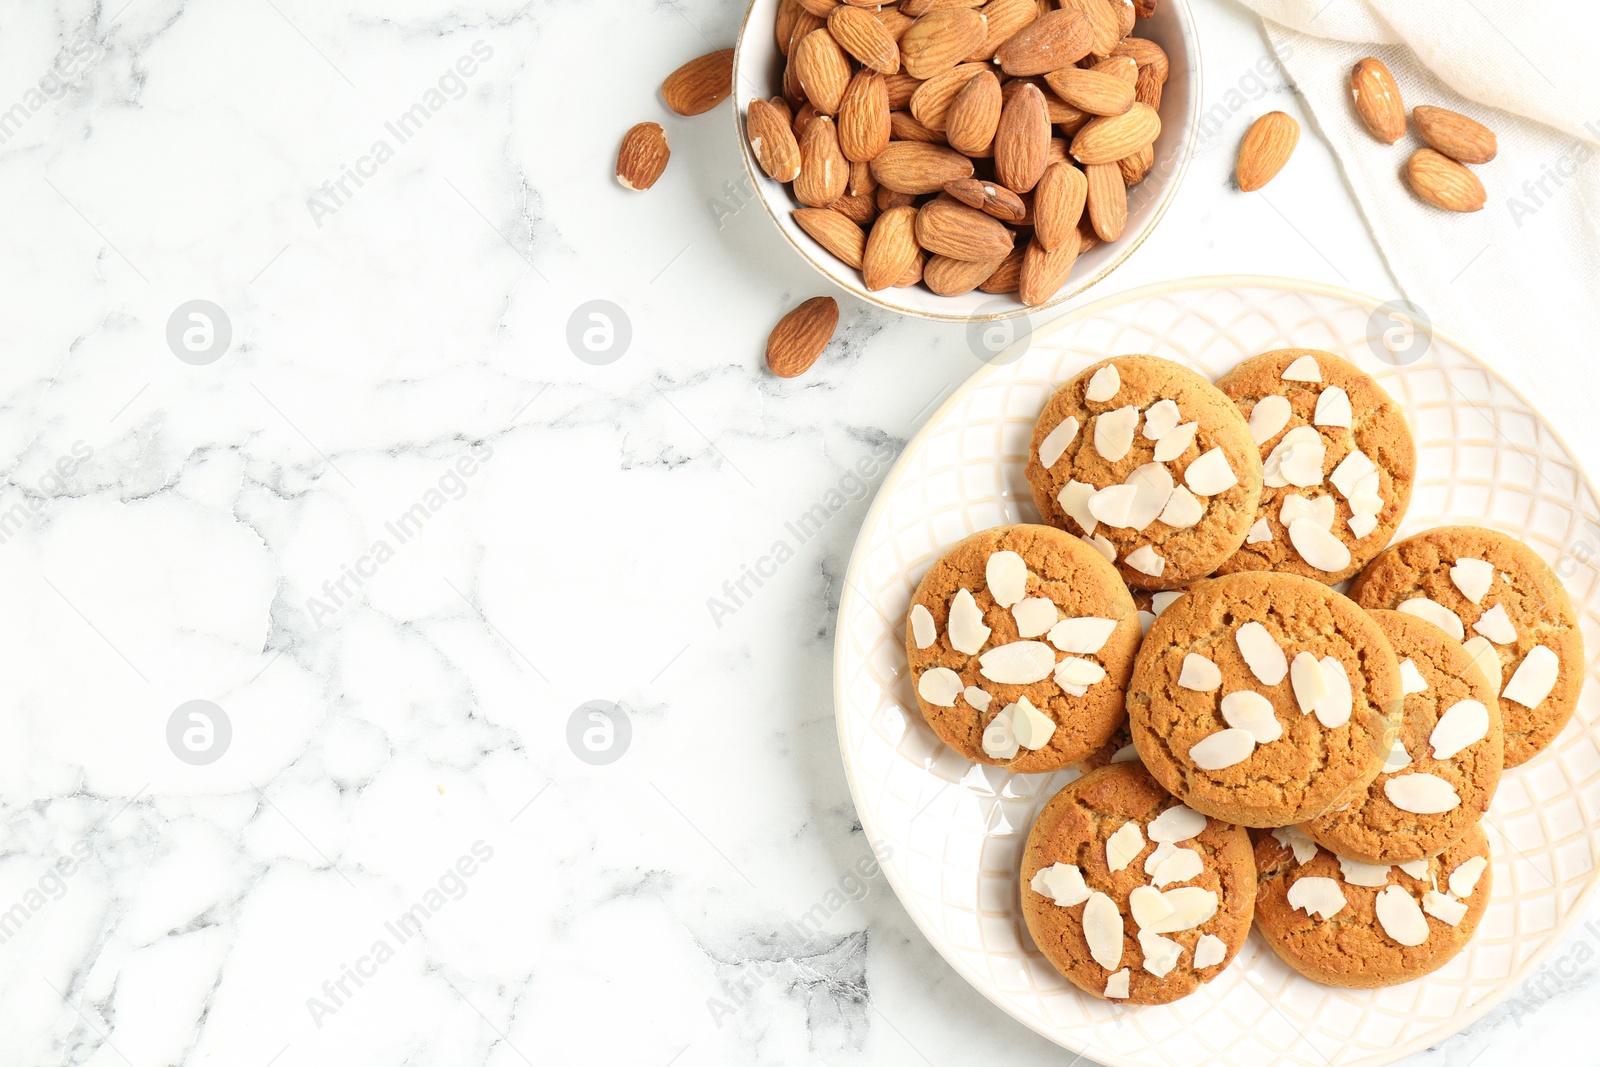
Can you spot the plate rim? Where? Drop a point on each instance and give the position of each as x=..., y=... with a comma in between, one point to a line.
x=849, y=595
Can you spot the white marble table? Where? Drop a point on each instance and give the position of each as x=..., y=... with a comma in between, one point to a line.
x=399, y=534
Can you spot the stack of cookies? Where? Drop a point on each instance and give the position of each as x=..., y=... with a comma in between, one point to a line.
x=1257, y=747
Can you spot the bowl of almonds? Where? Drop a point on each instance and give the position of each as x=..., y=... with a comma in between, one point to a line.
x=967, y=160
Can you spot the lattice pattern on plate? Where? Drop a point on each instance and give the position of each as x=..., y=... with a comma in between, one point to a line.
x=956, y=830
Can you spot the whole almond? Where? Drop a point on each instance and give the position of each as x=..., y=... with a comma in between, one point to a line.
x=1093, y=91
x=891, y=251
x=1453, y=134
x=864, y=37
x=991, y=198
x=1126, y=14
x=953, y=277
x=916, y=168
x=939, y=40
x=1112, y=137
x=864, y=117
x=901, y=87
x=1144, y=8
x=788, y=12
x=1005, y=19
x=1377, y=100
x=886, y=198
x=1022, y=141
x=893, y=19
x=1058, y=204
x=922, y=7
x=700, y=84
x=821, y=8
x=1267, y=146
x=1044, y=271
x=802, y=119
x=1443, y=182
x=801, y=335
x=824, y=172
x=1135, y=167
x=1060, y=111
x=642, y=157
x=781, y=106
x=931, y=102
x=946, y=227
x=860, y=209
x=1145, y=53
x=835, y=232
x=1106, y=199
x=1124, y=67
x=1007, y=276
x=1148, y=86
x=1104, y=23
x=822, y=69
x=1055, y=40
x=862, y=183
x=903, y=127
x=974, y=115
x=772, y=141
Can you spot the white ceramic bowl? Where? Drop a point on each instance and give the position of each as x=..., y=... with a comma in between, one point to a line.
x=758, y=71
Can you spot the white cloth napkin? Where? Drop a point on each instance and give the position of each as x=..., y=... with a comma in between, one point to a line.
x=1520, y=280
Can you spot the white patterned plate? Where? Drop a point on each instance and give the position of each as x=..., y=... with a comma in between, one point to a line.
x=954, y=830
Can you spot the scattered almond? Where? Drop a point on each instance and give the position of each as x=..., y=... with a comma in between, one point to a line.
x=700, y=84
x=801, y=335
x=1377, y=100
x=1443, y=182
x=643, y=156
x=1453, y=134
x=1266, y=147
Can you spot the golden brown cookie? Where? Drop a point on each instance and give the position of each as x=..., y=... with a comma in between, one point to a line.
x=1020, y=641
x=1444, y=767
x=1338, y=463
x=1150, y=463
x=1264, y=699
x=1497, y=595
x=1130, y=894
x=1360, y=926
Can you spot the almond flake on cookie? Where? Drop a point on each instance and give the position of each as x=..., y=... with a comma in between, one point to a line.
x=1035, y=615
x=1104, y=384
x=1447, y=910
x=1436, y=613
x=1370, y=875
x=1297, y=460
x=967, y=632
x=1398, y=758
x=1057, y=440
x=1117, y=986
x=1333, y=408
x=1497, y=626
x=1007, y=576
x=1487, y=659
x=1209, y=951
x=1086, y=635
x=1411, y=679
x=1269, y=416
x=1304, y=369
x=1019, y=663
x=1417, y=868
x=1222, y=749
x=1252, y=713
x=1161, y=417
x=1154, y=487
x=1123, y=846
x=1259, y=533
x=1126, y=754
x=1320, y=510
x=1113, y=432
x=1176, y=441
x=1102, y=929
x=1262, y=653
x=1318, y=546
x=1032, y=727
x=1148, y=906
x=1161, y=601
x=1183, y=509
x=1473, y=577
x=1000, y=737
x=1297, y=841
x=1534, y=678
x=1062, y=883
x=1199, y=674
x=1075, y=676
x=923, y=630
x=976, y=697
x=1160, y=953
x=1145, y=560
x=1317, y=896
x=1401, y=917
x=1346, y=477
x=1361, y=525
x=1210, y=474
x=1333, y=711
x=1074, y=500
x=1191, y=906
x=939, y=686
x=1310, y=685
x=1179, y=865
x=1464, y=879
x=1113, y=504
x=1178, y=823
x=1464, y=723
x=1421, y=794
x=1101, y=544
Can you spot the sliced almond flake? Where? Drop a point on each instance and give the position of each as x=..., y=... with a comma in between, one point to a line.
x=1296, y=460
x=1318, y=547
x=1401, y=917
x=1333, y=408
x=1074, y=500
x=1007, y=576
x=1086, y=635
x=1464, y=723
x=1252, y=713
x=1297, y=841
x=1175, y=442
x=1446, y=909
x=1464, y=879
x=1209, y=951
x=1102, y=544
x=923, y=630
x=1411, y=679
x=1322, y=510
x=1436, y=613
x=1113, y=432
x=1535, y=676
x=967, y=632
x=1125, y=754
x=1160, y=953
x=1222, y=749
x=1485, y=658
x=1350, y=471
x=1354, y=872
x=1055, y=443
x=1497, y=626
x=1062, y=883
x=1123, y=846
x=976, y=697
x=1033, y=727
x=1269, y=417
x=1417, y=868
x=939, y=686
x=1113, y=504
x=1102, y=928
x=1333, y=711
x=1117, y=985
x=1148, y=906
x=1162, y=850
x=1199, y=674
x=1161, y=601
x=1019, y=663
x=1361, y=525
x=1473, y=577
x=1146, y=560
x=1104, y=384
x=1211, y=474
x=1183, y=509
x=1075, y=676
x=1034, y=615
x=1317, y=896
x=1191, y=905
x=1304, y=369
x=1398, y=758
x=1308, y=682
x=1160, y=417
x=1421, y=794
x=1259, y=533
x=1180, y=865
x=1262, y=653
x=1146, y=620
x=1178, y=823
x=1153, y=483
x=1000, y=737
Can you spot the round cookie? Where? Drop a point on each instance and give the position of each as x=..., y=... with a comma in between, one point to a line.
x=1166, y=509
x=1264, y=699
x=1333, y=928
x=1421, y=804
x=1309, y=409
x=1511, y=610
x=1020, y=641
x=1191, y=879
